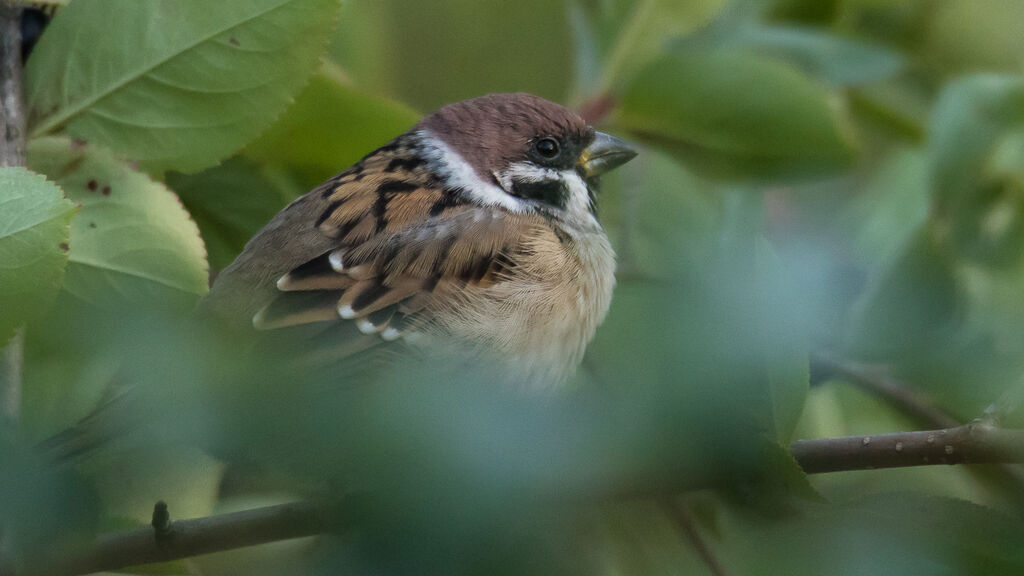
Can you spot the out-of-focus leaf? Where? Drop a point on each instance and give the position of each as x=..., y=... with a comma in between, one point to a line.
x=69, y=371
x=906, y=533
x=903, y=24
x=640, y=537
x=173, y=84
x=646, y=28
x=890, y=209
x=47, y=511
x=962, y=35
x=909, y=304
x=35, y=224
x=970, y=118
x=432, y=53
x=997, y=310
x=979, y=196
x=587, y=50
x=172, y=568
x=132, y=240
x=786, y=357
x=761, y=118
x=230, y=203
x=779, y=483
x=659, y=216
x=895, y=108
x=330, y=126
x=834, y=60
x=809, y=11
x=129, y=482
x=1007, y=160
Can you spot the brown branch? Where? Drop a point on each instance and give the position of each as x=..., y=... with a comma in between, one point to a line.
x=12, y=153
x=976, y=443
x=186, y=538
x=1007, y=478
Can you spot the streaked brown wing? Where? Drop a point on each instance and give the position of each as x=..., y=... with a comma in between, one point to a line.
x=392, y=281
x=392, y=246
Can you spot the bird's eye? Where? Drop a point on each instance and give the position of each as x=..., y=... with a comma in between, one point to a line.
x=547, y=147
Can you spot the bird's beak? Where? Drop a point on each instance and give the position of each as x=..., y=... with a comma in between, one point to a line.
x=604, y=153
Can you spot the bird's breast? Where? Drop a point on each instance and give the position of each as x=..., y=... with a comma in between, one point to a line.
x=542, y=315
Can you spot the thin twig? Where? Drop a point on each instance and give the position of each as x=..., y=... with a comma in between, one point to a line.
x=878, y=381
x=680, y=514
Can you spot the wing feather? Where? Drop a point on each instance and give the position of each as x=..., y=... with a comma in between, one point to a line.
x=399, y=247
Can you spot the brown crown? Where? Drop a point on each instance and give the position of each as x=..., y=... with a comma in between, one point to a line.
x=494, y=130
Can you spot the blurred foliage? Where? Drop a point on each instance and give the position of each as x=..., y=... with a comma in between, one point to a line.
x=817, y=175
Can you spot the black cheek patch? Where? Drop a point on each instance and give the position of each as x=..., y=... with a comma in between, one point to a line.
x=553, y=192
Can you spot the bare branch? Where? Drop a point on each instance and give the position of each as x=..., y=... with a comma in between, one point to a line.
x=1007, y=478
x=978, y=442
x=187, y=538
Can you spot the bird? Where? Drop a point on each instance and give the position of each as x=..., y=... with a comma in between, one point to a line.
x=475, y=230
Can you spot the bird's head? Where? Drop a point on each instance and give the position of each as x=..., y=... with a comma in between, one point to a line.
x=521, y=152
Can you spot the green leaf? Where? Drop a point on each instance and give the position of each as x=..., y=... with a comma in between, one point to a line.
x=891, y=208
x=810, y=11
x=960, y=37
x=132, y=240
x=970, y=118
x=173, y=84
x=659, y=216
x=834, y=60
x=35, y=223
x=131, y=481
x=760, y=118
x=230, y=203
x=786, y=358
x=331, y=126
x=776, y=487
x=48, y=508
x=910, y=303
x=432, y=53
x=892, y=533
x=978, y=190
x=647, y=25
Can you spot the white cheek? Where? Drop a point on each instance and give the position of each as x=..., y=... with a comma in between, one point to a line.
x=445, y=160
x=527, y=172
x=579, y=195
